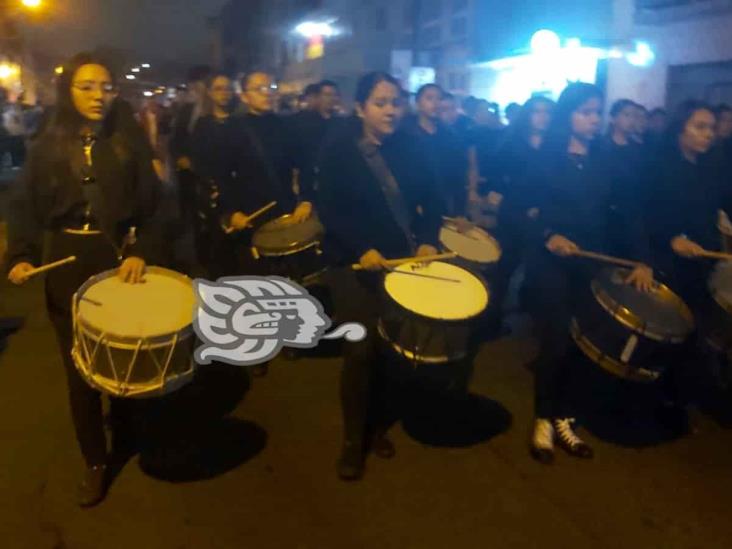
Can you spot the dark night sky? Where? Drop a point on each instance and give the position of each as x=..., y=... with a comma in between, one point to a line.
x=160, y=29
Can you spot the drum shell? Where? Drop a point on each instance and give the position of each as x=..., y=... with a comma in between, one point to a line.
x=617, y=348
x=425, y=340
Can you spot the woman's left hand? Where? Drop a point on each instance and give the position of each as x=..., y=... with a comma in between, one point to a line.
x=425, y=250
x=132, y=270
x=641, y=278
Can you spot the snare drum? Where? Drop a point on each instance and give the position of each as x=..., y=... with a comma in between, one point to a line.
x=135, y=340
x=720, y=312
x=430, y=321
x=623, y=329
x=476, y=248
x=291, y=249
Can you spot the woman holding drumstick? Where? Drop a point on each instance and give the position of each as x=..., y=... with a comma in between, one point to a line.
x=572, y=183
x=89, y=181
x=376, y=201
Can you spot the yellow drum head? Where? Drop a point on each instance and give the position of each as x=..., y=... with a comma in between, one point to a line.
x=438, y=299
x=164, y=304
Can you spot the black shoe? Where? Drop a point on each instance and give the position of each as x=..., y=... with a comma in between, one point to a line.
x=260, y=370
x=93, y=488
x=542, y=442
x=352, y=463
x=569, y=440
x=382, y=446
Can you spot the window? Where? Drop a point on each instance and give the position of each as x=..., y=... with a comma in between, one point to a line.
x=458, y=27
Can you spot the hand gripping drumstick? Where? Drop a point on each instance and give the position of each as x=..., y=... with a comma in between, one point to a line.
x=608, y=259
x=50, y=266
x=715, y=255
x=403, y=260
x=254, y=216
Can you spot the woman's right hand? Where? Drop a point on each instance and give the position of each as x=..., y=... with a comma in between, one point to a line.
x=239, y=222
x=19, y=274
x=372, y=261
x=685, y=247
x=561, y=246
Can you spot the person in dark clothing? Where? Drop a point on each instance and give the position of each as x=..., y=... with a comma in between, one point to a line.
x=89, y=181
x=311, y=128
x=387, y=210
x=441, y=149
x=211, y=152
x=574, y=191
x=624, y=158
x=505, y=194
x=180, y=150
x=657, y=121
x=640, y=126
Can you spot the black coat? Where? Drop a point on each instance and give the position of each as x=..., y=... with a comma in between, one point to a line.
x=353, y=207
x=49, y=196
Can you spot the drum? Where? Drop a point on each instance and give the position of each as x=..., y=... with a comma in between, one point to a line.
x=428, y=320
x=624, y=330
x=476, y=248
x=719, y=337
x=725, y=230
x=291, y=249
x=135, y=340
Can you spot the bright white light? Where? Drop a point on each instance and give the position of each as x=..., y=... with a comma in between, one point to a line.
x=574, y=43
x=5, y=71
x=545, y=41
x=148, y=93
x=136, y=69
x=643, y=56
x=130, y=76
x=145, y=65
x=309, y=29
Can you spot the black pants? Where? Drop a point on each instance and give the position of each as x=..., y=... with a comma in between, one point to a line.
x=368, y=392
x=94, y=255
x=559, y=285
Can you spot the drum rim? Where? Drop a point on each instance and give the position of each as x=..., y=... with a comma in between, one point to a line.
x=118, y=341
x=490, y=238
x=289, y=250
x=409, y=355
x=716, y=294
x=606, y=362
x=445, y=320
x=632, y=321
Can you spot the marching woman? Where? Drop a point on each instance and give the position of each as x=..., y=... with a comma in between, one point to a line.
x=376, y=201
x=89, y=181
x=574, y=201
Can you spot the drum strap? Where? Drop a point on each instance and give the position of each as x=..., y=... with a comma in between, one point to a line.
x=390, y=188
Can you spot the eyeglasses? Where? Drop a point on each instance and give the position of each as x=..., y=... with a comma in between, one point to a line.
x=90, y=87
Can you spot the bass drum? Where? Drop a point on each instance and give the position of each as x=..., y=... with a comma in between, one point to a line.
x=625, y=331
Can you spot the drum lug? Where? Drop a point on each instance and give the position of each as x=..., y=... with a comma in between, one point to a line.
x=255, y=253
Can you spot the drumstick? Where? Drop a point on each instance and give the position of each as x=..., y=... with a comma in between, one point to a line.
x=422, y=275
x=403, y=260
x=715, y=255
x=254, y=216
x=50, y=266
x=608, y=259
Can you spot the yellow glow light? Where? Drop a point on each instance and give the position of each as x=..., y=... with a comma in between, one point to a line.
x=32, y=4
x=59, y=70
x=9, y=70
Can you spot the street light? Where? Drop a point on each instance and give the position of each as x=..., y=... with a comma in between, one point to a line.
x=32, y=4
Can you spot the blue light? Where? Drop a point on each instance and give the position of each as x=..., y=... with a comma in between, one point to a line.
x=643, y=56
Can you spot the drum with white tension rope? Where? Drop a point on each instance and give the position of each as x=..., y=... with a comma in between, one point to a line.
x=135, y=340
x=430, y=320
x=623, y=329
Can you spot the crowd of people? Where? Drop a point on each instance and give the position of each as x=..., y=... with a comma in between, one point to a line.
x=551, y=182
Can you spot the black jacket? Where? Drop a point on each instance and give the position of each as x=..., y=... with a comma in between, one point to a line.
x=575, y=200
x=49, y=196
x=353, y=207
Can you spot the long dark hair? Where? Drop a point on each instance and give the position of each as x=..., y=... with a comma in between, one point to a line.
x=369, y=81
x=679, y=120
x=521, y=129
x=67, y=121
x=560, y=129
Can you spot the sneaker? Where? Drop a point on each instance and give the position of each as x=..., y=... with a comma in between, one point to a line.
x=352, y=462
x=542, y=442
x=93, y=487
x=569, y=440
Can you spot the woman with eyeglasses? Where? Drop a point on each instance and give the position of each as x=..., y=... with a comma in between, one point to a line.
x=89, y=181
